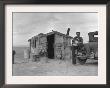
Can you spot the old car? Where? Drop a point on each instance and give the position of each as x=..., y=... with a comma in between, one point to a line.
x=89, y=50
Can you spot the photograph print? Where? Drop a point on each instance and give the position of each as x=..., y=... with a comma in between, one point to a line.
x=55, y=44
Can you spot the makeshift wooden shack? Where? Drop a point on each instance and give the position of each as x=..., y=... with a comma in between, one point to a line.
x=56, y=45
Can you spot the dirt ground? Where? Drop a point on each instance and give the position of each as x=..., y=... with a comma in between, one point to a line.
x=53, y=67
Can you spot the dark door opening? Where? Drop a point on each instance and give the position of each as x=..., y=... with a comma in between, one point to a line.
x=50, y=46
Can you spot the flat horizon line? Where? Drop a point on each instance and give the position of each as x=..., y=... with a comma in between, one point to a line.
x=20, y=46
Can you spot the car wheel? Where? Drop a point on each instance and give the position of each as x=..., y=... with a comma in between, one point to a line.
x=81, y=61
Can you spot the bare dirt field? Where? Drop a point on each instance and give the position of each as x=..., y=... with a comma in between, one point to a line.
x=55, y=68
x=52, y=67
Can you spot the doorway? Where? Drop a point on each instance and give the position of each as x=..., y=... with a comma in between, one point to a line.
x=50, y=46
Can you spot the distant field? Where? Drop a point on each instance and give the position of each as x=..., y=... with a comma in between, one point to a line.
x=19, y=56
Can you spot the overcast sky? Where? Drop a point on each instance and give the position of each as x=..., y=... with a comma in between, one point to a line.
x=27, y=25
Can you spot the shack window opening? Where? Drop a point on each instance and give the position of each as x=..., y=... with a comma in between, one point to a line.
x=35, y=43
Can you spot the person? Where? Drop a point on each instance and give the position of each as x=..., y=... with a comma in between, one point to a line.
x=13, y=54
x=77, y=44
x=68, y=31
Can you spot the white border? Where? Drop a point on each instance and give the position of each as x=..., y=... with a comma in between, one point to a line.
x=100, y=79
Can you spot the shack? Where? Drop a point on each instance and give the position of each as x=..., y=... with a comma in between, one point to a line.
x=54, y=45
